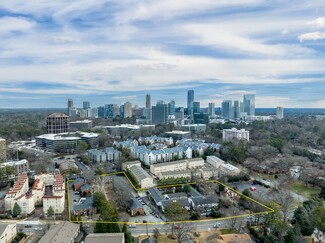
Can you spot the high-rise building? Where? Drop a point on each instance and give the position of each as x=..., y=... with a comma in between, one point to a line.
x=127, y=110
x=212, y=109
x=249, y=104
x=236, y=109
x=196, y=107
x=148, y=101
x=86, y=105
x=226, y=109
x=190, y=99
x=159, y=114
x=171, y=108
x=179, y=113
x=111, y=110
x=70, y=106
x=3, y=150
x=279, y=112
x=57, y=123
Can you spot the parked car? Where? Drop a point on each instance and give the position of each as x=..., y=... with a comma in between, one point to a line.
x=216, y=225
x=253, y=188
x=132, y=226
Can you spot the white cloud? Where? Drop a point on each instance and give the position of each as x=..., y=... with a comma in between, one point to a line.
x=9, y=24
x=313, y=36
x=65, y=39
x=125, y=98
x=317, y=23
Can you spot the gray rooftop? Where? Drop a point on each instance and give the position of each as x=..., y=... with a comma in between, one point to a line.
x=61, y=233
x=105, y=237
x=3, y=227
x=139, y=173
x=156, y=195
x=135, y=204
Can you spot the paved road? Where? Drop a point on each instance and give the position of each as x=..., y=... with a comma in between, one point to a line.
x=199, y=226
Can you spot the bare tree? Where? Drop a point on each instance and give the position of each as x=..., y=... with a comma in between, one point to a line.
x=181, y=231
x=286, y=200
x=233, y=211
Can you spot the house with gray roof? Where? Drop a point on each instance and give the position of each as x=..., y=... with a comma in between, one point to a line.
x=136, y=207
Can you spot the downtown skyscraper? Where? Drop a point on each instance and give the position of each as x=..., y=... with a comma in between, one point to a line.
x=190, y=100
x=249, y=104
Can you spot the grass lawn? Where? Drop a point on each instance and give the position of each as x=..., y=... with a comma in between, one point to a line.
x=228, y=231
x=303, y=190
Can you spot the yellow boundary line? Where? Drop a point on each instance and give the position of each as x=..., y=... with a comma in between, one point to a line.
x=270, y=210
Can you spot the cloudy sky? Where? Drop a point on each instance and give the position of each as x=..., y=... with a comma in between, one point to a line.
x=111, y=51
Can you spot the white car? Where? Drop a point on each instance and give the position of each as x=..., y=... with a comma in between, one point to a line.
x=217, y=225
x=132, y=226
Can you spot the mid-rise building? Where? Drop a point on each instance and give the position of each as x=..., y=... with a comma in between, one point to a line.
x=55, y=197
x=107, y=155
x=80, y=125
x=7, y=232
x=127, y=110
x=279, y=112
x=21, y=166
x=142, y=177
x=215, y=161
x=106, y=237
x=212, y=109
x=249, y=104
x=66, y=142
x=3, y=150
x=64, y=232
x=228, y=169
x=57, y=123
x=233, y=133
x=18, y=194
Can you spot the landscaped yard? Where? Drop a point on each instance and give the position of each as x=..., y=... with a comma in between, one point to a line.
x=303, y=190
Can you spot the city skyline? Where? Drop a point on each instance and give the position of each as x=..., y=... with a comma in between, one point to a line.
x=117, y=51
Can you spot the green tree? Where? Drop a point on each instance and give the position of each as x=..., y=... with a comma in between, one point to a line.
x=127, y=235
x=278, y=142
x=175, y=212
x=187, y=188
x=107, y=214
x=318, y=217
x=16, y=210
x=322, y=193
x=50, y=211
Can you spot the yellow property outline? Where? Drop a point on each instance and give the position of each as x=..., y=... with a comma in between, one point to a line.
x=270, y=210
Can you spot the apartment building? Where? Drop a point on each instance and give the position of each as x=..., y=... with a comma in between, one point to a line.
x=178, y=165
x=234, y=134
x=107, y=155
x=64, y=232
x=7, y=232
x=18, y=194
x=21, y=166
x=55, y=198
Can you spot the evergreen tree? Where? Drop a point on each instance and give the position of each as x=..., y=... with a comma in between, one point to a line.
x=50, y=211
x=16, y=210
